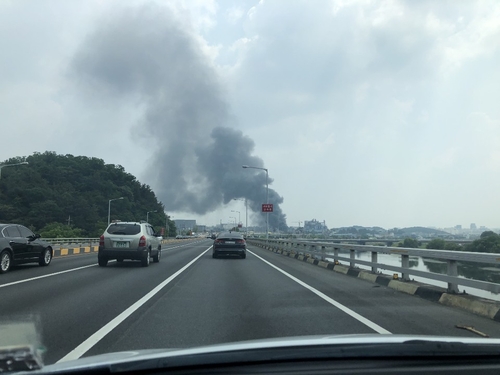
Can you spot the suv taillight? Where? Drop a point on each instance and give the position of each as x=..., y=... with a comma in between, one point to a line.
x=101, y=240
x=142, y=241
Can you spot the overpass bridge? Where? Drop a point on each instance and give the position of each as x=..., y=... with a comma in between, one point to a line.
x=191, y=299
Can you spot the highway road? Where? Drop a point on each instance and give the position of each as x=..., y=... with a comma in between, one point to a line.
x=191, y=299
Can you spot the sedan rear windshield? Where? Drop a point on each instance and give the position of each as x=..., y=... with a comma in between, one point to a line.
x=124, y=229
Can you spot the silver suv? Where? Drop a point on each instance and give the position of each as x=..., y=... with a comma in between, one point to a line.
x=129, y=240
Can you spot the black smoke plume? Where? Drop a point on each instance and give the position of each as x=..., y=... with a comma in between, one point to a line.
x=148, y=57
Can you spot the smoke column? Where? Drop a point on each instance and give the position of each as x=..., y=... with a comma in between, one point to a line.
x=146, y=54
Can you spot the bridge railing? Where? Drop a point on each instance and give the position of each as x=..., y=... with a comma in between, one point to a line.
x=328, y=250
x=69, y=241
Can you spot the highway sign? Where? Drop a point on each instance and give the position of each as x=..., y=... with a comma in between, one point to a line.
x=267, y=207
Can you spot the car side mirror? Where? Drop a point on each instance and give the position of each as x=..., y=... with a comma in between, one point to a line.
x=33, y=237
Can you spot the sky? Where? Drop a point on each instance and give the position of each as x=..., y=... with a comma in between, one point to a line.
x=375, y=113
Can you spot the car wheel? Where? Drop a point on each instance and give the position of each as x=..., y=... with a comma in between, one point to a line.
x=214, y=256
x=145, y=260
x=157, y=257
x=45, y=257
x=5, y=261
x=103, y=262
x=243, y=256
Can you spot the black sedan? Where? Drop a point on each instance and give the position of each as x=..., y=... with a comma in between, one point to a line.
x=19, y=245
x=230, y=243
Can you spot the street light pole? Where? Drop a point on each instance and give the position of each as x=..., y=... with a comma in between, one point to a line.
x=267, y=195
x=11, y=165
x=109, y=208
x=147, y=215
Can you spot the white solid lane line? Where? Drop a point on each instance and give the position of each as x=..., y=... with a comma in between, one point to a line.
x=101, y=333
x=338, y=305
x=48, y=275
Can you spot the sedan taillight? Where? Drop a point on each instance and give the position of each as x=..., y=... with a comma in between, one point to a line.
x=101, y=240
x=240, y=241
x=142, y=241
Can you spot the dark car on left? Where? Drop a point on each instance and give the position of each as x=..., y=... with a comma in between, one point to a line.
x=19, y=245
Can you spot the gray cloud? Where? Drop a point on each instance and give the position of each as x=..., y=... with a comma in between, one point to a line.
x=148, y=58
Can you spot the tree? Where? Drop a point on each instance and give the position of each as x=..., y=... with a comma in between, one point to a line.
x=58, y=230
x=489, y=242
x=437, y=244
x=488, y=233
x=53, y=187
x=410, y=242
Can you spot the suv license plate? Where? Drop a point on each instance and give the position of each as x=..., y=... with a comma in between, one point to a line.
x=121, y=244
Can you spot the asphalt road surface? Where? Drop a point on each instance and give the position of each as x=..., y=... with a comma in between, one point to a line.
x=190, y=299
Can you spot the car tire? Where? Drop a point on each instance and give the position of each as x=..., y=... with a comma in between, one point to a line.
x=157, y=257
x=103, y=262
x=5, y=261
x=214, y=256
x=243, y=256
x=145, y=260
x=45, y=257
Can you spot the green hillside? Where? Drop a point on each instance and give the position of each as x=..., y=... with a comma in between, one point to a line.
x=54, y=188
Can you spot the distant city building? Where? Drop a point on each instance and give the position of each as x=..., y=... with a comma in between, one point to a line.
x=314, y=226
x=458, y=227
x=473, y=226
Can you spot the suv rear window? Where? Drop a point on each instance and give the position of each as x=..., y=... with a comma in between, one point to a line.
x=124, y=229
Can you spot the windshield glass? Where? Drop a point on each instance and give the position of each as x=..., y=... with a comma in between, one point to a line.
x=124, y=229
x=326, y=167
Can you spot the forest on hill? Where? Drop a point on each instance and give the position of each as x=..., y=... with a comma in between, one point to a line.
x=68, y=196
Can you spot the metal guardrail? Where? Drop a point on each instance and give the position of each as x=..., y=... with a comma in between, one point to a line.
x=325, y=250
x=73, y=241
x=64, y=241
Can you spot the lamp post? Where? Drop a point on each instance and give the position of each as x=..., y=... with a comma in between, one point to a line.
x=233, y=217
x=246, y=212
x=11, y=165
x=109, y=207
x=167, y=228
x=267, y=195
x=147, y=215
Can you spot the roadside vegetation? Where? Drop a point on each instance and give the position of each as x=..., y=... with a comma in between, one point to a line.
x=68, y=196
x=488, y=242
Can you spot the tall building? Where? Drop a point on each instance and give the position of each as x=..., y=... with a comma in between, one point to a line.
x=473, y=226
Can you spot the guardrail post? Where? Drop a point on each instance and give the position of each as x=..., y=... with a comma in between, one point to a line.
x=374, y=260
x=335, y=254
x=352, y=255
x=405, y=263
x=311, y=249
x=452, y=271
x=323, y=252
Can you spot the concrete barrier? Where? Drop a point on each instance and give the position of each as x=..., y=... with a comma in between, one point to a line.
x=83, y=249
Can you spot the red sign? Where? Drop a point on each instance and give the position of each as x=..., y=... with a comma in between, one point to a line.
x=267, y=207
